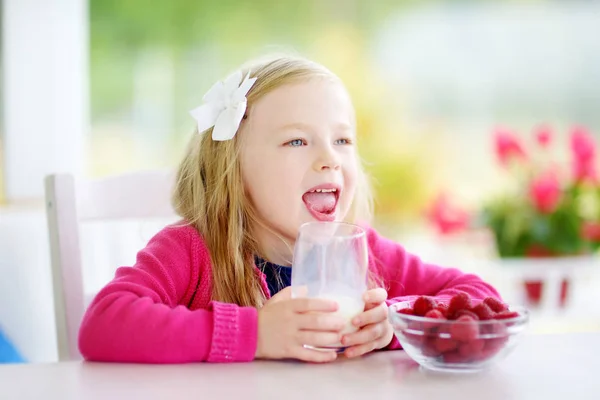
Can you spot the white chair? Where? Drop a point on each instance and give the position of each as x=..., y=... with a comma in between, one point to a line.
x=69, y=203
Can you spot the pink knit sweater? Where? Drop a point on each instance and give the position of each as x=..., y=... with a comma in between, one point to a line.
x=160, y=310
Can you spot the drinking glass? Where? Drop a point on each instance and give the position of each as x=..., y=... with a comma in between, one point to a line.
x=331, y=262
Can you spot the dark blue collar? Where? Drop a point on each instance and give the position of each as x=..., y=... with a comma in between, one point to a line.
x=278, y=276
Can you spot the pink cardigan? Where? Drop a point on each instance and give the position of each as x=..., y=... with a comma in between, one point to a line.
x=160, y=310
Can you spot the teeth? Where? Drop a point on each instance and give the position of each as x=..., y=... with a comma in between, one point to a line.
x=324, y=190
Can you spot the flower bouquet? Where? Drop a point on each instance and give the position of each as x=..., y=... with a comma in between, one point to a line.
x=551, y=208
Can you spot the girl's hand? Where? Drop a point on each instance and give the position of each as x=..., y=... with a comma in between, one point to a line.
x=285, y=325
x=375, y=331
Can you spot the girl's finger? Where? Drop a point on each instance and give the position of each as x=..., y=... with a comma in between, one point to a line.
x=311, y=355
x=372, y=316
x=367, y=334
x=374, y=297
x=359, y=350
x=318, y=339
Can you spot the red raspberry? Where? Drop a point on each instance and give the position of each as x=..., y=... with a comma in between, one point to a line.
x=414, y=339
x=443, y=342
x=454, y=357
x=415, y=326
x=460, y=301
x=491, y=348
x=471, y=349
x=495, y=305
x=495, y=345
x=464, y=329
x=496, y=336
x=471, y=314
x=444, y=345
x=494, y=329
x=506, y=315
x=407, y=311
x=424, y=304
x=433, y=314
x=443, y=308
x=429, y=348
x=483, y=311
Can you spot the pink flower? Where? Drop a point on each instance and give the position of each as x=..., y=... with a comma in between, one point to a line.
x=584, y=171
x=582, y=143
x=543, y=135
x=508, y=147
x=583, y=149
x=447, y=217
x=545, y=192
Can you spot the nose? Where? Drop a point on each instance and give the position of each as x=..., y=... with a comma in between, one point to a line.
x=327, y=159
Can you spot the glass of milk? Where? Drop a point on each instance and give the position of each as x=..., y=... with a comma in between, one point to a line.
x=331, y=261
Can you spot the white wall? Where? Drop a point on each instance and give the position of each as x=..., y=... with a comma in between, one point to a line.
x=46, y=100
x=26, y=308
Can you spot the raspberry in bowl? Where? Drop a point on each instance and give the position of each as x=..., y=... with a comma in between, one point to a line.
x=460, y=335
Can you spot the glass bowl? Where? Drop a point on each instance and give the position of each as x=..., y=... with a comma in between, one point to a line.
x=456, y=346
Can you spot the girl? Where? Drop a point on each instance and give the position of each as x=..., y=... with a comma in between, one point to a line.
x=275, y=147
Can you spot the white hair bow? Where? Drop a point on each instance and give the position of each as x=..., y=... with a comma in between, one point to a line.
x=225, y=105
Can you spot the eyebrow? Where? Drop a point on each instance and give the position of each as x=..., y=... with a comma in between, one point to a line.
x=307, y=128
x=295, y=126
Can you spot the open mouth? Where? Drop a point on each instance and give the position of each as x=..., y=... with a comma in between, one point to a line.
x=321, y=201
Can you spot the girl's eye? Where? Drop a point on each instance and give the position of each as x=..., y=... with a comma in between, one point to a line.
x=343, y=141
x=295, y=143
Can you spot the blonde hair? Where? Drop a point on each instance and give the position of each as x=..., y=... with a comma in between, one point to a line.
x=209, y=193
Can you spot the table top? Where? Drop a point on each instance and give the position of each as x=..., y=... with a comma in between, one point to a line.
x=561, y=367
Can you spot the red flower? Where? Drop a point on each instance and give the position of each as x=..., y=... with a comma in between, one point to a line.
x=538, y=251
x=508, y=147
x=447, y=217
x=545, y=192
x=591, y=231
x=543, y=135
x=584, y=155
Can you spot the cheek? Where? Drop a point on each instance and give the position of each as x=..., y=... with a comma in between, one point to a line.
x=272, y=187
x=350, y=185
x=278, y=181
x=257, y=187
x=351, y=176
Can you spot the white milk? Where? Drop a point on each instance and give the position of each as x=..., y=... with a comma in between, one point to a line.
x=348, y=308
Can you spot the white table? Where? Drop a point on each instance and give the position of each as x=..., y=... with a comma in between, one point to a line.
x=541, y=367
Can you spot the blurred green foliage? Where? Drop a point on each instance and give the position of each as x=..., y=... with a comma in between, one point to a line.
x=235, y=29
x=519, y=229
x=204, y=39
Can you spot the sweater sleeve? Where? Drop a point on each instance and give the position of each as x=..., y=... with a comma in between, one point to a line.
x=140, y=315
x=406, y=277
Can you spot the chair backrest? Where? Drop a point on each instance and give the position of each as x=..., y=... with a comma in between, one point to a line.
x=139, y=196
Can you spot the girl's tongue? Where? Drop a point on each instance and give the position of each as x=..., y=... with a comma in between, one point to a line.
x=322, y=202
